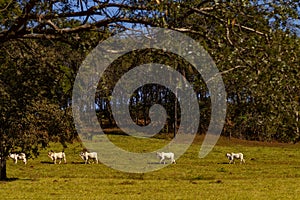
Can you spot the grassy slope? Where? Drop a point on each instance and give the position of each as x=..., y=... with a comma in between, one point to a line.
x=272, y=171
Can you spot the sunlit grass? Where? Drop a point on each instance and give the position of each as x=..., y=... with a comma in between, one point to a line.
x=272, y=171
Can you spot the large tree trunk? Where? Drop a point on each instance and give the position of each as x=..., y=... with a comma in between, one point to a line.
x=3, y=169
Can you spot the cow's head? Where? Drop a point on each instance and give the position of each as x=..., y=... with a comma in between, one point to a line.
x=82, y=155
x=228, y=155
x=50, y=154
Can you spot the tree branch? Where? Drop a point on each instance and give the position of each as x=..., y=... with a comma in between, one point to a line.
x=22, y=20
x=5, y=8
x=225, y=72
x=223, y=21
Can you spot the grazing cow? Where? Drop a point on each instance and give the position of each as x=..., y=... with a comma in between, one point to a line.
x=86, y=156
x=18, y=156
x=162, y=156
x=232, y=156
x=54, y=156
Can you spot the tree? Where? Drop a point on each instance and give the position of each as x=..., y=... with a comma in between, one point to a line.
x=34, y=107
x=253, y=43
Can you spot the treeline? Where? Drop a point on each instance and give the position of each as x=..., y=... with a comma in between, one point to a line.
x=147, y=95
x=262, y=94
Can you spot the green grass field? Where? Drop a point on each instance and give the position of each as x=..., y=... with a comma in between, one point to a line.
x=272, y=171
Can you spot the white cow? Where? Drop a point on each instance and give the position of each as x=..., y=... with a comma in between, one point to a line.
x=18, y=156
x=87, y=156
x=54, y=156
x=162, y=156
x=232, y=156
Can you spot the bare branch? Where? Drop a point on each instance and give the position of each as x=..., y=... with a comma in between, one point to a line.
x=5, y=8
x=225, y=72
x=228, y=35
x=22, y=20
x=223, y=21
x=50, y=23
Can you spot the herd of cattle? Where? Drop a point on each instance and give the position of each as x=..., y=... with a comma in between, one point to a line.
x=86, y=156
x=92, y=156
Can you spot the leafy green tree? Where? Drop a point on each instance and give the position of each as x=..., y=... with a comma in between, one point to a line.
x=35, y=97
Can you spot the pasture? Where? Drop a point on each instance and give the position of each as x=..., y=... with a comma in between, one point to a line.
x=272, y=171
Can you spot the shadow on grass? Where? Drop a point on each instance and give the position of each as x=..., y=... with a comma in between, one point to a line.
x=51, y=163
x=121, y=133
x=222, y=163
x=47, y=162
x=78, y=163
x=115, y=132
x=157, y=163
x=9, y=180
x=15, y=179
x=201, y=177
